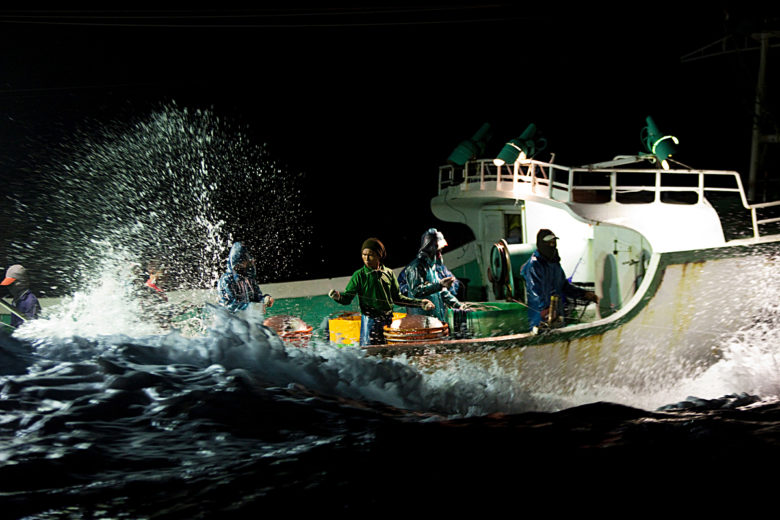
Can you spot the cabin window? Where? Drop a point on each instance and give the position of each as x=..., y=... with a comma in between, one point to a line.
x=513, y=224
x=680, y=197
x=635, y=197
x=590, y=196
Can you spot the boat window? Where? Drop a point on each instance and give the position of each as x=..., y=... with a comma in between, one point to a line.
x=513, y=224
x=679, y=197
x=590, y=196
x=635, y=196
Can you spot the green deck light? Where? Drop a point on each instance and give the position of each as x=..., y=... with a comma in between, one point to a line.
x=520, y=147
x=471, y=148
x=509, y=153
x=662, y=146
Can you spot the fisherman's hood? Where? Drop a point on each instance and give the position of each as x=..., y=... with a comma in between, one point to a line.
x=546, y=245
x=239, y=253
x=431, y=243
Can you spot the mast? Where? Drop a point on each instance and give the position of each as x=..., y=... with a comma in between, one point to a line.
x=758, y=139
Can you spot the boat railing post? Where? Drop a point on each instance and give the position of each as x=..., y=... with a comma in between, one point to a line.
x=755, y=222
x=482, y=176
x=613, y=186
x=657, y=197
x=569, y=185
x=701, y=187
x=550, y=185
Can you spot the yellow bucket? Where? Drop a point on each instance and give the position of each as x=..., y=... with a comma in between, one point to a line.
x=344, y=329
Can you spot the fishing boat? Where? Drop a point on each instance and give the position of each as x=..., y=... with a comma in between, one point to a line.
x=658, y=242
x=641, y=233
x=667, y=249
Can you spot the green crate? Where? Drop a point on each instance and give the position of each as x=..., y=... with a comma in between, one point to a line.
x=494, y=319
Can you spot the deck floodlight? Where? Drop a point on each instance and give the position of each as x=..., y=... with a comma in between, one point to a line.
x=521, y=147
x=662, y=146
x=509, y=153
x=471, y=148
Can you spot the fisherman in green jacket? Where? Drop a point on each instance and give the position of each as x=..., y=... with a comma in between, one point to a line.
x=376, y=287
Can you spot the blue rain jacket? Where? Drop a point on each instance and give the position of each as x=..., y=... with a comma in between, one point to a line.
x=542, y=280
x=441, y=270
x=237, y=290
x=27, y=305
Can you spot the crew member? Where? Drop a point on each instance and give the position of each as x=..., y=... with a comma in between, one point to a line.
x=545, y=280
x=24, y=300
x=425, y=277
x=377, y=290
x=238, y=286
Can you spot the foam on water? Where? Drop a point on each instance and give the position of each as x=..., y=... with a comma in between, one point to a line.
x=104, y=316
x=97, y=322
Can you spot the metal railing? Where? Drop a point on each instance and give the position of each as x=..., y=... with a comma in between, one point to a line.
x=603, y=186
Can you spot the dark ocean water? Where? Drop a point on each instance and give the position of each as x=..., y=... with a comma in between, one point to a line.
x=103, y=415
x=236, y=422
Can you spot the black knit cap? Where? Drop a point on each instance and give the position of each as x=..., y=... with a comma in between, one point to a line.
x=374, y=245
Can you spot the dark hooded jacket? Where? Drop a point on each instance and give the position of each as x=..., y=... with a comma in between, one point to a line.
x=544, y=277
x=238, y=289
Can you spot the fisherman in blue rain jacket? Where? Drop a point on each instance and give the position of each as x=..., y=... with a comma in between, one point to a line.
x=422, y=278
x=544, y=278
x=238, y=286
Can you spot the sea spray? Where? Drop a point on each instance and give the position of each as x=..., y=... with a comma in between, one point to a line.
x=175, y=185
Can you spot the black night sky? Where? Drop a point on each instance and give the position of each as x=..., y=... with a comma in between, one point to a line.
x=367, y=102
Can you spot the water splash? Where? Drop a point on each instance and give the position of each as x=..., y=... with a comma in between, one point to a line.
x=175, y=185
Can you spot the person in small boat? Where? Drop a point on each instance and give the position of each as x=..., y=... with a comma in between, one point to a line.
x=145, y=286
x=426, y=276
x=376, y=287
x=18, y=284
x=155, y=277
x=238, y=286
x=544, y=278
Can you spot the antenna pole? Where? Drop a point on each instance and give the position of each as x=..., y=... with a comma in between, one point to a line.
x=754, y=159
